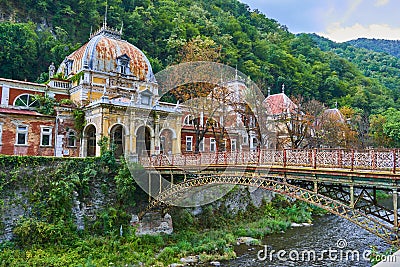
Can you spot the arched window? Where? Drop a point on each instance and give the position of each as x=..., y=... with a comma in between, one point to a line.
x=189, y=120
x=26, y=100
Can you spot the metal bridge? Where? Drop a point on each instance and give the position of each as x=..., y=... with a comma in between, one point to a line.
x=343, y=182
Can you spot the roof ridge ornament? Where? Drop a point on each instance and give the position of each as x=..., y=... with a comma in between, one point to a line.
x=105, y=17
x=107, y=31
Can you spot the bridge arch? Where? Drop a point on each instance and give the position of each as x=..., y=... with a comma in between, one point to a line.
x=359, y=218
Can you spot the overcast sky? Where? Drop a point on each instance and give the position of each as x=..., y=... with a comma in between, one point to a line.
x=338, y=20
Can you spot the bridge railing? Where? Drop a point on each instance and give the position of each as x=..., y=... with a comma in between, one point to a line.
x=379, y=160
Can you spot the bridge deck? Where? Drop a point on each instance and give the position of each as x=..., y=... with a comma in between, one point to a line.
x=371, y=167
x=343, y=182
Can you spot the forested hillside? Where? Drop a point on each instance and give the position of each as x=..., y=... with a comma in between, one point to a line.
x=392, y=47
x=380, y=66
x=260, y=47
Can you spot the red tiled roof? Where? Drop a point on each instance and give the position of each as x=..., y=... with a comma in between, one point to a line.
x=20, y=111
x=278, y=104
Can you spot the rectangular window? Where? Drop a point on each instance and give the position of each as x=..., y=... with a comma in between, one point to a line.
x=233, y=144
x=22, y=135
x=253, y=143
x=189, y=143
x=145, y=100
x=212, y=145
x=123, y=69
x=201, y=145
x=45, y=136
x=245, y=140
x=223, y=145
x=71, y=139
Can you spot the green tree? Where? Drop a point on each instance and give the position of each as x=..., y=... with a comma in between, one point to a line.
x=18, y=51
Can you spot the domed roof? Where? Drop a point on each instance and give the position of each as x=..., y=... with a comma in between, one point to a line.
x=104, y=52
x=279, y=103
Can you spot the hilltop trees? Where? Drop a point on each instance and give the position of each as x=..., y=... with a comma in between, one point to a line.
x=18, y=51
x=170, y=31
x=260, y=47
x=385, y=128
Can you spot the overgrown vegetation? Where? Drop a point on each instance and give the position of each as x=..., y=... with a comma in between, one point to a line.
x=46, y=104
x=47, y=234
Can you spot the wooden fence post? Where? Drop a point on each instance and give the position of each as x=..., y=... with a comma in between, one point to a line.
x=352, y=159
x=394, y=161
x=284, y=158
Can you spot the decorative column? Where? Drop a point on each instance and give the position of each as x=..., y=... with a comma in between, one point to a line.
x=156, y=133
x=395, y=207
x=352, y=196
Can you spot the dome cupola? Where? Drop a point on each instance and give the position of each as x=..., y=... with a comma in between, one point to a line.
x=107, y=53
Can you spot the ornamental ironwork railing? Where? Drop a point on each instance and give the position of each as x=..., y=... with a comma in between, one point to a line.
x=376, y=160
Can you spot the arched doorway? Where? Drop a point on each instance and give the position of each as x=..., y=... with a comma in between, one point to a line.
x=90, y=141
x=166, y=136
x=117, y=140
x=143, y=141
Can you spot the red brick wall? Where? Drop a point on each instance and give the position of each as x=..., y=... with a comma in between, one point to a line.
x=14, y=93
x=33, y=147
x=58, y=97
x=190, y=132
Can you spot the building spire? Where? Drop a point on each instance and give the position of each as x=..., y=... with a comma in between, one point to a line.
x=336, y=104
x=107, y=31
x=122, y=27
x=269, y=91
x=236, y=73
x=283, y=88
x=105, y=17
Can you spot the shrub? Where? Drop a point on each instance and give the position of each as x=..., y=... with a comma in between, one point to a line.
x=167, y=255
x=30, y=231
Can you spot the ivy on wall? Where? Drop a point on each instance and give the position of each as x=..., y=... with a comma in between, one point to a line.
x=47, y=186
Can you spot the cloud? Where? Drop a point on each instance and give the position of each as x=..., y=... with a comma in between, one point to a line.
x=381, y=2
x=337, y=32
x=352, y=8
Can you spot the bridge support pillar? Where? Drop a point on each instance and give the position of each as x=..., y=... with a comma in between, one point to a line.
x=160, y=184
x=395, y=207
x=352, y=196
x=172, y=179
x=149, y=187
x=184, y=177
x=374, y=195
x=315, y=187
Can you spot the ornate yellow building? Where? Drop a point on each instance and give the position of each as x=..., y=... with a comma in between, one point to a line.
x=114, y=83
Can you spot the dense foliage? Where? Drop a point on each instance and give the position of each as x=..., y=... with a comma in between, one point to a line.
x=258, y=46
x=377, y=65
x=392, y=47
x=47, y=235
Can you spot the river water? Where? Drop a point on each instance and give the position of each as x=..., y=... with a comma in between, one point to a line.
x=330, y=233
